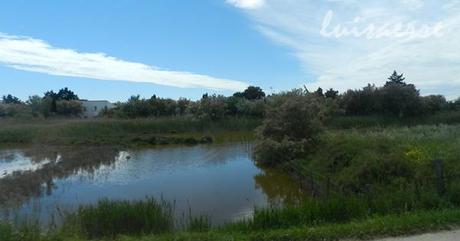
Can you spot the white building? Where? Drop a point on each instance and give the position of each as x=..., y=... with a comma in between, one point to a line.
x=92, y=108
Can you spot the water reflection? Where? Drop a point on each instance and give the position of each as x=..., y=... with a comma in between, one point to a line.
x=32, y=172
x=279, y=188
x=218, y=180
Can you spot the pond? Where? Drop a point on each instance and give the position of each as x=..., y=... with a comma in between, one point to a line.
x=220, y=180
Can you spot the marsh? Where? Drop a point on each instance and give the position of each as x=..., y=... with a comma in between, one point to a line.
x=220, y=180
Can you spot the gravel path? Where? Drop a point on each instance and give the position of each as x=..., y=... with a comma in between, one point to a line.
x=442, y=236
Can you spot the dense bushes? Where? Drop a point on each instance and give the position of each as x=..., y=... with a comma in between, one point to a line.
x=63, y=103
x=396, y=98
x=291, y=126
x=209, y=107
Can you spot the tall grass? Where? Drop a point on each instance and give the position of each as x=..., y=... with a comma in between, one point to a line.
x=111, y=218
x=347, y=122
x=340, y=209
x=112, y=131
x=29, y=230
x=314, y=219
x=199, y=224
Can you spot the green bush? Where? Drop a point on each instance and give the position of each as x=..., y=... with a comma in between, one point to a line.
x=291, y=127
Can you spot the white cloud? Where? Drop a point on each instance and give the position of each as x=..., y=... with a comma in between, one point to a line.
x=35, y=55
x=247, y=4
x=352, y=62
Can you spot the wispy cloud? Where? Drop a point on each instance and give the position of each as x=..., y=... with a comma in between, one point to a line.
x=247, y=4
x=36, y=55
x=431, y=63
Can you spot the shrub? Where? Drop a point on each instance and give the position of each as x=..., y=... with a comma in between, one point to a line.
x=290, y=128
x=68, y=107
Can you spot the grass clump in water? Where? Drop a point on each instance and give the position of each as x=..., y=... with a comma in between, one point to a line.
x=199, y=224
x=111, y=218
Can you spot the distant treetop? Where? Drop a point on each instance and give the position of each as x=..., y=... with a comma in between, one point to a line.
x=9, y=99
x=63, y=94
x=251, y=93
x=396, y=78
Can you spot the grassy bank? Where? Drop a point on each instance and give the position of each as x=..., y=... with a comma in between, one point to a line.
x=152, y=220
x=119, y=132
x=387, y=159
x=348, y=122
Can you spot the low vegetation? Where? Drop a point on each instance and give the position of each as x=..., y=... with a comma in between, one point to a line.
x=383, y=150
x=137, y=132
x=153, y=220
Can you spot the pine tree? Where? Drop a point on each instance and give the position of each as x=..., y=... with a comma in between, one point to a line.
x=396, y=78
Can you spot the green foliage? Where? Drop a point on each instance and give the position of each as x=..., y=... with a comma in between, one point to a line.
x=385, y=159
x=120, y=131
x=291, y=127
x=396, y=79
x=112, y=218
x=400, y=99
x=395, y=98
x=251, y=93
x=9, y=99
x=433, y=104
x=199, y=224
x=14, y=110
x=66, y=94
x=209, y=107
x=68, y=108
x=331, y=93
x=362, y=102
x=212, y=107
x=26, y=231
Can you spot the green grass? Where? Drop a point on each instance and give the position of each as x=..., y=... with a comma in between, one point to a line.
x=117, y=131
x=133, y=225
x=379, y=226
x=111, y=218
x=386, y=159
x=347, y=122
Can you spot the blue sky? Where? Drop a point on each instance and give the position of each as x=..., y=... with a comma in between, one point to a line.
x=113, y=49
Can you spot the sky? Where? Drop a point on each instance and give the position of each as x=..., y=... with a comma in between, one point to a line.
x=174, y=48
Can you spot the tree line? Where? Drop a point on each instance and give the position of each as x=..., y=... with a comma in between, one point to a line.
x=396, y=98
x=294, y=120
x=62, y=103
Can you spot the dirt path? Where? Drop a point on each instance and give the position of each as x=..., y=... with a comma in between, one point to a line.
x=441, y=236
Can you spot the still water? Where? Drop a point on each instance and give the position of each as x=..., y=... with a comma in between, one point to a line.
x=220, y=181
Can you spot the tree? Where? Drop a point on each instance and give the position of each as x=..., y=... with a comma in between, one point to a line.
x=38, y=106
x=51, y=98
x=66, y=94
x=366, y=101
x=63, y=94
x=136, y=107
x=396, y=79
x=9, y=99
x=69, y=107
x=319, y=92
x=401, y=99
x=291, y=127
x=434, y=103
x=332, y=94
x=212, y=107
x=251, y=93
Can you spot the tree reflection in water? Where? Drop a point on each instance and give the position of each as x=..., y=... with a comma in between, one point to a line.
x=279, y=188
x=56, y=163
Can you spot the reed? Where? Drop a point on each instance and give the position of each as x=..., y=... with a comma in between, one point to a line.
x=111, y=218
